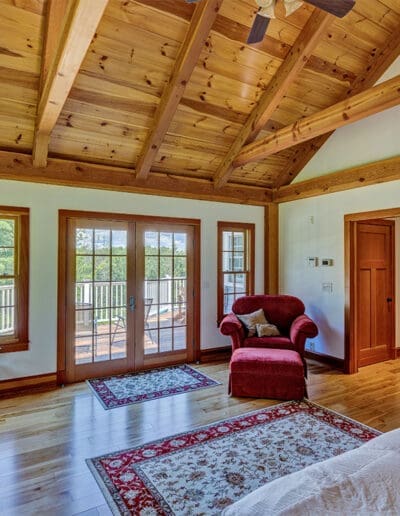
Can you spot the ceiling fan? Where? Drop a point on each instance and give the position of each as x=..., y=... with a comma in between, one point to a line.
x=266, y=11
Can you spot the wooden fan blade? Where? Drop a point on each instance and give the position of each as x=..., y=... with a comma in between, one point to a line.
x=338, y=8
x=258, y=30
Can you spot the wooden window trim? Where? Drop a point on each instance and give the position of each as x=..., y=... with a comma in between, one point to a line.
x=234, y=226
x=20, y=340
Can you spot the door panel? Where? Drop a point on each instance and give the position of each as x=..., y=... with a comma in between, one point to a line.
x=166, y=265
x=97, y=321
x=375, y=285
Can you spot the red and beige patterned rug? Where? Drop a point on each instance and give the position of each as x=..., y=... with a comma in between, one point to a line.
x=205, y=470
x=125, y=389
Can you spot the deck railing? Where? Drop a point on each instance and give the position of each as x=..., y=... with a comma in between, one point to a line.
x=7, y=298
x=165, y=291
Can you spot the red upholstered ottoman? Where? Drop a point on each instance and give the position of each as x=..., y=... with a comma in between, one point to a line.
x=267, y=373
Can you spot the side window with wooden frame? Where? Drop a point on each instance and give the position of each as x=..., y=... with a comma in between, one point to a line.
x=14, y=278
x=235, y=264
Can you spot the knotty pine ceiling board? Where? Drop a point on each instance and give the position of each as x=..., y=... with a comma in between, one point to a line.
x=20, y=58
x=110, y=110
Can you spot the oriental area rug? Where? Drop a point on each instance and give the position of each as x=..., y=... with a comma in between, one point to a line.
x=206, y=469
x=125, y=389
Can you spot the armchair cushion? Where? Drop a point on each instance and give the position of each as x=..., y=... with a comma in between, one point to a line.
x=280, y=342
x=250, y=321
x=267, y=330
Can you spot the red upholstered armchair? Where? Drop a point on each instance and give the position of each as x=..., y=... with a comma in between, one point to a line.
x=285, y=312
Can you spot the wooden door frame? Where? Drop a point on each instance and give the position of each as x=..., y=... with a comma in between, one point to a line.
x=63, y=216
x=350, y=259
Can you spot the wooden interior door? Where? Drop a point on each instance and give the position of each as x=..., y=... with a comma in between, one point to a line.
x=375, y=291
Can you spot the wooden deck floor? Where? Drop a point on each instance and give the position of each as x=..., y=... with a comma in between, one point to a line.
x=45, y=437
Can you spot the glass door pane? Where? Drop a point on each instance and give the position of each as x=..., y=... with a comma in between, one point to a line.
x=100, y=292
x=165, y=291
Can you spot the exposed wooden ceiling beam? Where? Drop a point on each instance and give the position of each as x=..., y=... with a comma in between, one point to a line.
x=369, y=102
x=365, y=175
x=78, y=30
x=290, y=68
x=18, y=167
x=198, y=31
x=55, y=16
x=379, y=62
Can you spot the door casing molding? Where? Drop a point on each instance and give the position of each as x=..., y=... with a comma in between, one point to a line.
x=350, y=226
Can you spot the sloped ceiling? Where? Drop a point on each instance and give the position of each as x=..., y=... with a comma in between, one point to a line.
x=110, y=111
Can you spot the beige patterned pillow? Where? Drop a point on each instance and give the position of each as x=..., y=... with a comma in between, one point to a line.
x=251, y=320
x=267, y=330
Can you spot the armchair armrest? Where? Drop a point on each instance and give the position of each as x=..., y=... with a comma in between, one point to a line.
x=302, y=328
x=231, y=326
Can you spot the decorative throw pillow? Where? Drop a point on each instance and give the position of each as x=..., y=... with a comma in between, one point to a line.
x=251, y=320
x=267, y=330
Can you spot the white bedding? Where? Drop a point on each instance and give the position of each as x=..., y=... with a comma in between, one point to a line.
x=364, y=481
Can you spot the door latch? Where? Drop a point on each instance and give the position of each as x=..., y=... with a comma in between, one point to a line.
x=132, y=303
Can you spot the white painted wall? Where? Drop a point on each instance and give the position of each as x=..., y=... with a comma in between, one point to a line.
x=45, y=201
x=374, y=138
x=299, y=239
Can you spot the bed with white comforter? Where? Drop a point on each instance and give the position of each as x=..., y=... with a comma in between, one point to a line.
x=364, y=481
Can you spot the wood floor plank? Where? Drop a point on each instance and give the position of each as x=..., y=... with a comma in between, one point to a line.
x=46, y=437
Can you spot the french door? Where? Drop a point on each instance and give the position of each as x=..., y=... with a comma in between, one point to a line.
x=129, y=291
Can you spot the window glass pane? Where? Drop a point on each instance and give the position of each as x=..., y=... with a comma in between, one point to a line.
x=152, y=290
x=227, y=261
x=102, y=241
x=151, y=242
x=240, y=283
x=84, y=269
x=7, y=232
x=165, y=267
x=229, y=283
x=179, y=338
x=165, y=339
x=7, y=320
x=180, y=244
x=101, y=296
x=118, y=272
x=180, y=267
x=151, y=267
x=166, y=243
x=84, y=322
x=238, y=244
x=227, y=244
x=102, y=268
x=179, y=291
x=238, y=262
x=228, y=301
x=166, y=315
x=7, y=263
x=119, y=243
x=84, y=241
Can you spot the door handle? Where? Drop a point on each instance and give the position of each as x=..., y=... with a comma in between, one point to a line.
x=132, y=303
x=389, y=299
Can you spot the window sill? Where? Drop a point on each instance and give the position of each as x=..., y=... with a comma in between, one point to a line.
x=11, y=347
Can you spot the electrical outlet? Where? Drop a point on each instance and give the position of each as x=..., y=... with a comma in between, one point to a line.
x=311, y=346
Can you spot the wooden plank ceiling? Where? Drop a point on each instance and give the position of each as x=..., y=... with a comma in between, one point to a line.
x=172, y=89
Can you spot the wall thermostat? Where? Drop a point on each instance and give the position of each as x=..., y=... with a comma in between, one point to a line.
x=312, y=261
x=327, y=262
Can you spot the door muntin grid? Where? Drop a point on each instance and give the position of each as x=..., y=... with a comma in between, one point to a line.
x=166, y=291
x=100, y=294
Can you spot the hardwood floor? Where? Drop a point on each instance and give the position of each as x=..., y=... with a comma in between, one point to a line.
x=46, y=437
